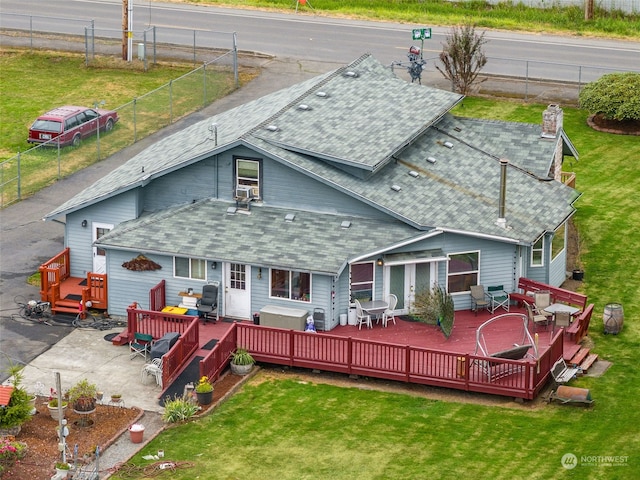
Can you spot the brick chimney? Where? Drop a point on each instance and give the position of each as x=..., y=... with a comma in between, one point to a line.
x=551, y=121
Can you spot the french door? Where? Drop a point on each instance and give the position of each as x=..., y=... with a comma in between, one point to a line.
x=406, y=280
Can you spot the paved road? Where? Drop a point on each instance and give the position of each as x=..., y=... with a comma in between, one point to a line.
x=325, y=39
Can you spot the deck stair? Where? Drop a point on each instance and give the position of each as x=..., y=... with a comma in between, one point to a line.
x=583, y=359
x=66, y=306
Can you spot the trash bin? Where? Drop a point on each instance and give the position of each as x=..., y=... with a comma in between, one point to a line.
x=352, y=316
x=141, y=51
x=343, y=319
x=318, y=318
x=256, y=319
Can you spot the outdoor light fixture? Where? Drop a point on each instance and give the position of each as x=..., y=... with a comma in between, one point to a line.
x=380, y=262
x=214, y=265
x=260, y=273
x=84, y=224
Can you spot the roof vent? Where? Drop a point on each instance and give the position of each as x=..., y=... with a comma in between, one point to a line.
x=272, y=128
x=448, y=144
x=414, y=174
x=231, y=210
x=345, y=224
x=457, y=129
x=351, y=74
x=431, y=160
x=322, y=94
x=396, y=188
x=289, y=217
x=304, y=106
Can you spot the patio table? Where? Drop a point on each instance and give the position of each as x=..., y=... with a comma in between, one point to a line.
x=561, y=307
x=375, y=308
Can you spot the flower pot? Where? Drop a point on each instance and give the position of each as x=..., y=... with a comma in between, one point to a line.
x=241, y=369
x=205, y=398
x=136, y=432
x=11, y=431
x=578, y=274
x=56, y=412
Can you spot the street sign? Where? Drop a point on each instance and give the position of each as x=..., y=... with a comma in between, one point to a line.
x=421, y=33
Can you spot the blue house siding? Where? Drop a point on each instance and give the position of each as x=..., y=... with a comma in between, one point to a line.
x=183, y=186
x=79, y=239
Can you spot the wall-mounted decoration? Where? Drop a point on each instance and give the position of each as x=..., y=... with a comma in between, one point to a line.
x=141, y=264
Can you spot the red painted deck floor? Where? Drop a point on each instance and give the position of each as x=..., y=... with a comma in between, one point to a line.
x=404, y=332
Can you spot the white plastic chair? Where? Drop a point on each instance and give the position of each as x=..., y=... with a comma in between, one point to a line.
x=153, y=369
x=388, y=314
x=361, y=317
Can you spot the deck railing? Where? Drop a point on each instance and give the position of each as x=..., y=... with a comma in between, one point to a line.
x=522, y=379
x=157, y=296
x=54, y=271
x=157, y=324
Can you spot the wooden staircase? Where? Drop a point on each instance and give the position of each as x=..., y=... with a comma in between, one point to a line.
x=583, y=359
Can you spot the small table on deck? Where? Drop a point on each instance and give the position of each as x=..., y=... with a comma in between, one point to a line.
x=375, y=308
x=561, y=307
x=189, y=301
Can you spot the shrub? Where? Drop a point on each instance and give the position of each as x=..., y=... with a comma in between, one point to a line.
x=10, y=452
x=19, y=408
x=615, y=96
x=178, y=409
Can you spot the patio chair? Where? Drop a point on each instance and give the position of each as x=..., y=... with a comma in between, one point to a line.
x=153, y=369
x=388, y=314
x=498, y=298
x=479, y=298
x=361, y=317
x=561, y=319
x=208, y=305
x=541, y=300
x=140, y=345
x=536, y=319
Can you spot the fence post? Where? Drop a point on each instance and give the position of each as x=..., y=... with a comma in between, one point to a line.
x=19, y=176
x=526, y=81
x=204, y=84
x=135, y=130
x=170, y=102
x=235, y=59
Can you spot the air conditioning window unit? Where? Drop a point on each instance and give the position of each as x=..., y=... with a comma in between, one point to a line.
x=244, y=193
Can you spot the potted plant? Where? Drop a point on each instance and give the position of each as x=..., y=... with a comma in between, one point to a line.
x=55, y=410
x=82, y=396
x=18, y=409
x=204, y=391
x=62, y=468
x=116, y=398
x=241, y=362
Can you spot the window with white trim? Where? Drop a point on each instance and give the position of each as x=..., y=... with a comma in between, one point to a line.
x=290, y=284
x=247, y=174
x=193, y=268
x=463, y=271
x=361, y=282
x=537, y=253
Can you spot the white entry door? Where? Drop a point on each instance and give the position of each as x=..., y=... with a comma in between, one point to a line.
x=406, y=280
x=99, y=255
x=237, y=290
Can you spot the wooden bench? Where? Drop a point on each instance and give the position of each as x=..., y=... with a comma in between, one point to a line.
x=580, y=326
x=558, y=295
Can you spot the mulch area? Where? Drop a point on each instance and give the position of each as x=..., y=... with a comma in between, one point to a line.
x=601, y=124
x=107, y=424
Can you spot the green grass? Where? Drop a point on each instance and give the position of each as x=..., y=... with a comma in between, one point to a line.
x=288, y=429
x=505, y=16
x=163, y=94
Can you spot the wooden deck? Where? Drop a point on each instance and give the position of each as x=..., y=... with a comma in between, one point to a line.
x=407, y=351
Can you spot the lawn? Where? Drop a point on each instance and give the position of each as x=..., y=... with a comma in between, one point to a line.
x=290, y=429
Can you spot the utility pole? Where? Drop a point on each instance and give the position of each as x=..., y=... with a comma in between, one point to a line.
x=125, y=25
x=127, y=29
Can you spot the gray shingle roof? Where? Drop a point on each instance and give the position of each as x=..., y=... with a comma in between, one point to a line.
x=311, y=242
x=382, y=127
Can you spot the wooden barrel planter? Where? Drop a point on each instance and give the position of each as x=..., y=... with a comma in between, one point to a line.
x=613, y=318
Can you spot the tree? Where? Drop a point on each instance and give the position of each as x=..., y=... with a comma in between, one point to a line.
x=615, y=96
x=462, y=57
